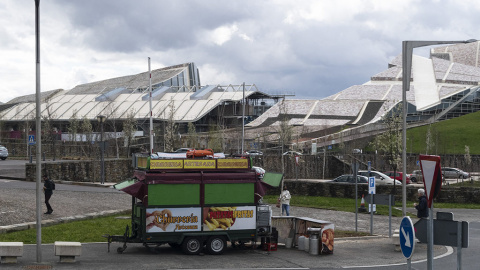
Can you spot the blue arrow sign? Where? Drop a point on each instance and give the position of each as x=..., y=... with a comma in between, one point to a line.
x=407, y=237
x=31, y=139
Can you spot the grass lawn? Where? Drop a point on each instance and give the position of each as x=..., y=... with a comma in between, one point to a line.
x=78, y=231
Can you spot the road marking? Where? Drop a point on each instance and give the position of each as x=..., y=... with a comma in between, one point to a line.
x=449, y=252
x=5, y=181
x=6, y=212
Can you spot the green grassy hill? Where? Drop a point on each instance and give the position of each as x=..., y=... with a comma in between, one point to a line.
x=450, y=136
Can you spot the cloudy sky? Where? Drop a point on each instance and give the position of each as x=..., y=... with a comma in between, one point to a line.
x=312, y=48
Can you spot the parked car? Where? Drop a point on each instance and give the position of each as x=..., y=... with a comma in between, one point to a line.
x=416, y=176
x=254, y=153
x=292, y=153
x=349, y=178
x=259, y=171
x=182, y=150
x=380, y=178
x=399, y=176
x=454, y=173
x=3, y=152
x=357, y=151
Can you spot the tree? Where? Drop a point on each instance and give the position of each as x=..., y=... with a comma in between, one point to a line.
x=214, y=138
x=86, y=128
x=429, y=143
x=171, y=129
x=285, y=132
x=129, y=128
x=73, y=126
x=468, y=158
x=390, y=141
x=192, y=136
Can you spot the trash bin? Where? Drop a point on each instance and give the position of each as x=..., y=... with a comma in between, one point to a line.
x=301, y=243
x=314, y=234
x=307, y=244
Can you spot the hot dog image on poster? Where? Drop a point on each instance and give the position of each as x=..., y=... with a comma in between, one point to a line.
x=229, y=218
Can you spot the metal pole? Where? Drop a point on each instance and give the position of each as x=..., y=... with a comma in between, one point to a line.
x=371, y=214
x=38, y=129
x=243, y=118
x=390, y=215
x=430, y=239
x=151, y=110
x=102, y=149
x=459, y=245
x=356, y=198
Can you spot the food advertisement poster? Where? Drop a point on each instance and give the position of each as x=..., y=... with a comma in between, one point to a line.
x=327, y=239
x=173, y=219
x=229, y=218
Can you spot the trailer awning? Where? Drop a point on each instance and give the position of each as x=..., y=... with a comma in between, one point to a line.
x=124, y=184
x=136, y=189
x=273, y=179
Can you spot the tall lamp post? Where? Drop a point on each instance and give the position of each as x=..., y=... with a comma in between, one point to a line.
x=407, y=50
x=101, y=119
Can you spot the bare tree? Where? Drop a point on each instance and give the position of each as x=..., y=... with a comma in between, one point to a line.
x=171, y=129
x=87, y=130
x=192, y=136
x=390, y=141
x=129, y=128
x=214, y=138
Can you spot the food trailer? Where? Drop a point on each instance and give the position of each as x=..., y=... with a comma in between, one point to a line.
x=195, y=203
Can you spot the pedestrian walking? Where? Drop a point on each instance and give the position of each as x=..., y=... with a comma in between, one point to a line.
x=285, y=200
x=422, y=206
x=48, y=187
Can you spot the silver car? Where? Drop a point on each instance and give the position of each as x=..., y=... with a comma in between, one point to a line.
x=380, y=178
x=3, y=152
x=454, y=173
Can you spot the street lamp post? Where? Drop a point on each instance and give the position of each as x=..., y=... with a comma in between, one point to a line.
x=407, y=50
x=101, y=119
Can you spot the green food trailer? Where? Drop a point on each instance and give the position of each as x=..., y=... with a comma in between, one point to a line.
x=195, y=203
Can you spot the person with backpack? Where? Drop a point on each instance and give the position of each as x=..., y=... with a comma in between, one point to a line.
x=48, y=187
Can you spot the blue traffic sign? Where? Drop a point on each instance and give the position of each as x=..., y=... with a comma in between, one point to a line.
x=407, y=237
x=31, y=139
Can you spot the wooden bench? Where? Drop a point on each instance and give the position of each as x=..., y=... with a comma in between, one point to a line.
x=67, y=250
x=9, y=251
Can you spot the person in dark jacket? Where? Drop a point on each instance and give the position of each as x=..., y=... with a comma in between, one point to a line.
x=48, y=191
x=422, y=206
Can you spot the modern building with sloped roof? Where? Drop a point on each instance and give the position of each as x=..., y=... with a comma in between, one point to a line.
x=443, y=86
x=177, y=95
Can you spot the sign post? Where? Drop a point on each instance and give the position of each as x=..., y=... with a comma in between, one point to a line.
x=407, y=239
x=432, y=181
x=355, y=172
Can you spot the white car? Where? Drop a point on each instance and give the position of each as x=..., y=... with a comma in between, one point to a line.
x=259, y=171
x=380, y=178
x=3, y=152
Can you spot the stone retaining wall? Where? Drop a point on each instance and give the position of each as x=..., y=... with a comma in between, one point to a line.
x=116, y=170
x=315, y=188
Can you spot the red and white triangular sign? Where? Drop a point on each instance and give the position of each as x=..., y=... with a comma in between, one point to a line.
x=432, y=176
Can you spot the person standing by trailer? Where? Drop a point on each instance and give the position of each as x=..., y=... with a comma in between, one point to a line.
x=422, y=206
x=48, y=187
x=285, y=200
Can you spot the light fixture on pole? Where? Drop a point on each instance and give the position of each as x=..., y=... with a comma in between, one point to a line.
x=407, y=51
x=101, y=119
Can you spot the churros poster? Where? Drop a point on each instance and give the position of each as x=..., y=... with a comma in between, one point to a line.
x=173, y=219
x=229, y=218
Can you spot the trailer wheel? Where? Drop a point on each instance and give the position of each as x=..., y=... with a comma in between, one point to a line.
x=216, y=245
x=192, y=245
